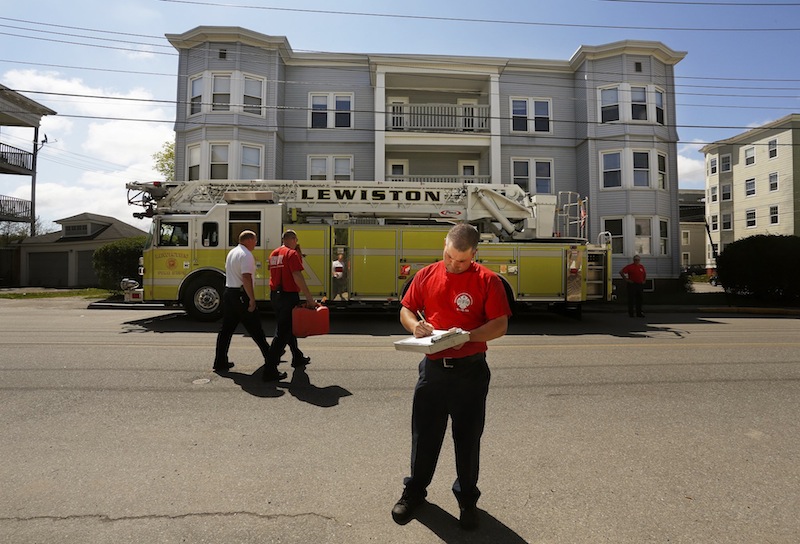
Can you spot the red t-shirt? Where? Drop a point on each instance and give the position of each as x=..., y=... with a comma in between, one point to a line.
x=467, y=300
x=282, y=262
x=635, y=272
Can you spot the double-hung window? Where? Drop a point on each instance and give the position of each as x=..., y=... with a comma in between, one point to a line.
x=253, y=96
x=221, y=93
x=773, y=215
x=641, y=169
x=712, y=166
x=544, y=177
x=773, y=181
x=713, y=192
x=663, y=237
x=531, y=115
x=659, y=107
x=614, y=227
x=725, y=163
x=727, y=221
x=749, y=156
x=639, y=103
x=750, y=187
x=330, y=167
x=612, y=169
x=772, y=148
x=219, y=161
x=609, y=104
x=251, y=162
x=715, y=222
x=521, y=173
x=750, y=218
x=330, y=110
x=193, y=162
x=195, y=95
x=726, y=191
x=662, y=171
x=642, y=236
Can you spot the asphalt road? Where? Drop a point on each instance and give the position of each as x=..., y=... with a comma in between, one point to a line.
x=674, y=428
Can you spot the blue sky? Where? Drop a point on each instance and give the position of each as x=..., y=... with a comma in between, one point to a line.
x=80, y=58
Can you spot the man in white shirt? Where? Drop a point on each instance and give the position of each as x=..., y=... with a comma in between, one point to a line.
x=239, y=305
x=338, y=278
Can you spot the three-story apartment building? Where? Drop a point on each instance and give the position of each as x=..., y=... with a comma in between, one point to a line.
x=751, y=187
x=601, y=124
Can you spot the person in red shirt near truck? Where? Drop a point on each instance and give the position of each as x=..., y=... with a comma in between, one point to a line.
x=634, y=275
x=285, y=283
x=453, y=292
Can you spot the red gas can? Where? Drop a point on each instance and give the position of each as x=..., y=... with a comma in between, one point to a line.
x=308, y=322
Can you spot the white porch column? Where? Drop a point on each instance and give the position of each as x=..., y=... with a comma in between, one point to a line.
x=380, y=124
x=494, y=125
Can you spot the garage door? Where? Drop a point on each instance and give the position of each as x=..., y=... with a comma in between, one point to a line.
x=86, y=275
x=48, y=269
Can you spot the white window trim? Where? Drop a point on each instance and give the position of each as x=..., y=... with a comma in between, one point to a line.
x=714, y=221
x=657, y=236
x=769, y=151
x=331, y=109
x=330, y=162
x=626, y=170
x=722, y=162
x=777, y=214
x=208, y=163
x=392, y=162
x=625, y=103
x=531, y=114
x=722, y=222
x=744, y=156
x=650, y=176
x=722, y=192
x=653, y=232
x=755, y=218
x=200, y=170
x=263, y=97
x=622, y=236
x=769, y=182
x=240, y=161
x=530, y=171
x=552, y=175
x=666, y=172
x=461, y=164
x=755, y=188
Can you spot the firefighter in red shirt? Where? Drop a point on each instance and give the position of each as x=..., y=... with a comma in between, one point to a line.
x=634, y=275
x=453, y=292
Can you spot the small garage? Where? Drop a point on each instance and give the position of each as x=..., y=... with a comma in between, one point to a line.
x=64, y=258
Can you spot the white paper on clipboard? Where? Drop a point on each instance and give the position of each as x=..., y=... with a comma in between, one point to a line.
x=438, y=341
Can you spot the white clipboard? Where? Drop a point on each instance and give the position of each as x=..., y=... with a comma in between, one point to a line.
x=438, y=341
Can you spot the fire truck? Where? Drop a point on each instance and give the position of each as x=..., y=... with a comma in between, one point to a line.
x=379, y=234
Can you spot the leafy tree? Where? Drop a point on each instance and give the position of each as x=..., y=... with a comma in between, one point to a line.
x=117, y=260
x=764, y=266
x=165, y=161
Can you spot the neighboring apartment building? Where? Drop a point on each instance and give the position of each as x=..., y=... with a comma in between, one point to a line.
x=692, y=206
x=601, y=124
x=751, y=187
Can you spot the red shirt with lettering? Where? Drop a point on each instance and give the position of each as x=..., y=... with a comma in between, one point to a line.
x=282, y=262
x=467, y=300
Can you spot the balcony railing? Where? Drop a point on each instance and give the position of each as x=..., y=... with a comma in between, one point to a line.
x=438, y=117
x=14, y=209
x=13, y=157
x=441, y=179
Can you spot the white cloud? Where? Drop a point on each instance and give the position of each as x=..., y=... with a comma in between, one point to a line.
x=88, y=162
x=691, y=166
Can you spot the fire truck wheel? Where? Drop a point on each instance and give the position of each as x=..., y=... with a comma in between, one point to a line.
x=202, y=298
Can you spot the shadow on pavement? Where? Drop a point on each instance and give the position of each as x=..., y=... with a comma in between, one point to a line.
x=252, y=383
x=445, y=526
x=387, y=324
x=299, y=386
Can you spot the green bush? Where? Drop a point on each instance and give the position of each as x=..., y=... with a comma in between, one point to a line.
x=762, y=266
x=117, y=260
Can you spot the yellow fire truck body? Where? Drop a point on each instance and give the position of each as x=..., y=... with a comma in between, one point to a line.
x=385, y=232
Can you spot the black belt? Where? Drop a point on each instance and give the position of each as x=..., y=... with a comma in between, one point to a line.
x=452, y=362
x=234, y=288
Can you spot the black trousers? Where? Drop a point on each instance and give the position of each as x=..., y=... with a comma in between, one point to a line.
x=635, y=298
x=234, y=311
x=283, y=303
x=459, y=393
